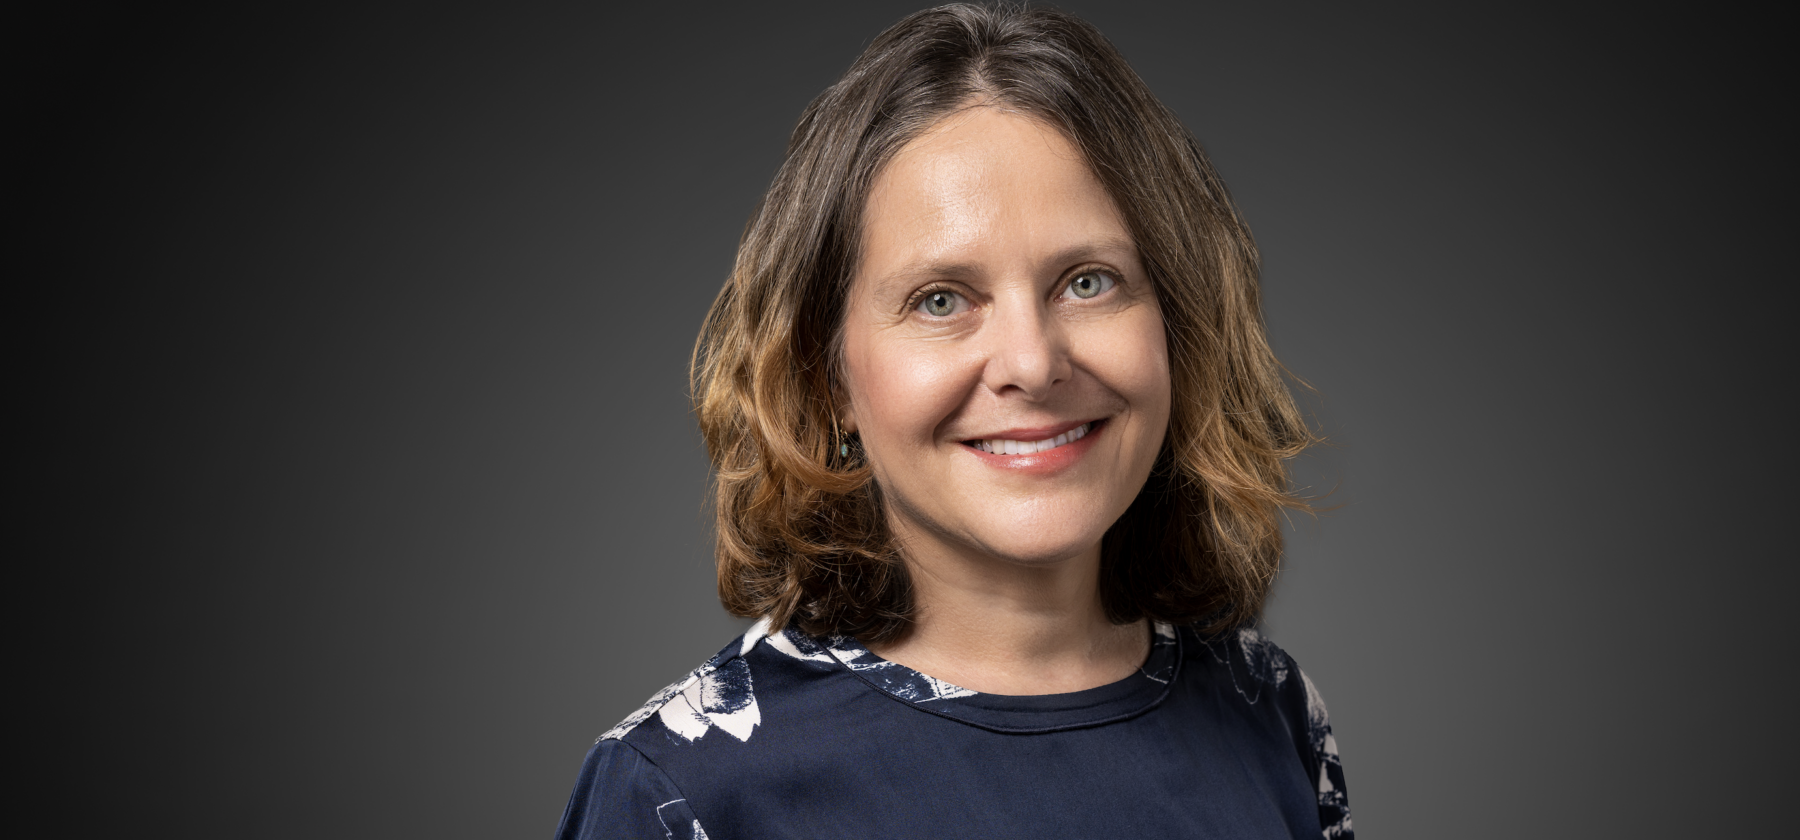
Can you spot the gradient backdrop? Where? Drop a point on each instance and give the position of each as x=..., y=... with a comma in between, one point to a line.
x=375, y=496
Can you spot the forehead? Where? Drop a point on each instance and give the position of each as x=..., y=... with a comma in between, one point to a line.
x=987, y=190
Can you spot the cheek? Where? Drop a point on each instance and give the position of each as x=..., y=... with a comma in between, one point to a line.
x=1134, y=356
x=901, y=394
x=1140, y=374
x=1154, y=376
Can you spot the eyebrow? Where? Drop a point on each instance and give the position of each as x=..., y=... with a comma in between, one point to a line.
x=1068, y=256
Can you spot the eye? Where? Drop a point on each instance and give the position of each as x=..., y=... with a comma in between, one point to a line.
x=1087, y=284
x=942, y=303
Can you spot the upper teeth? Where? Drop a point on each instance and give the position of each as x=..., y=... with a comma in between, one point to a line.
x=1001, y=446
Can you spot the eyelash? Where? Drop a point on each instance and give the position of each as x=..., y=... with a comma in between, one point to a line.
x=1106, y=273
x=918, y=297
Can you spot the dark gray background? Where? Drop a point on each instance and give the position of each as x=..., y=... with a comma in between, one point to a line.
x=358, y=342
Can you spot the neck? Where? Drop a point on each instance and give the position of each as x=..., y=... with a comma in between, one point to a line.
x=1003, y=627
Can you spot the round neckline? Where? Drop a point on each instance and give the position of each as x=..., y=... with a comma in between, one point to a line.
x=1020, y=713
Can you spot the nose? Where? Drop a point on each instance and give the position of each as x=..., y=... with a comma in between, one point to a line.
x=1027, y=349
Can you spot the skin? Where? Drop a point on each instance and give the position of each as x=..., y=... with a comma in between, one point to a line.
x=962, y=324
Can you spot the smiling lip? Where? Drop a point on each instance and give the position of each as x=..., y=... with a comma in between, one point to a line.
x=1031, y=441
x=1063, y=445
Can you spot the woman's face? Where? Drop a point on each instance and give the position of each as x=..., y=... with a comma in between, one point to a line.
x=1004, y=354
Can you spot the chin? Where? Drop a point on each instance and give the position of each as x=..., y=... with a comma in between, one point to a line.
x=1040, y=532
x=1045, y=558
x=1042, y=550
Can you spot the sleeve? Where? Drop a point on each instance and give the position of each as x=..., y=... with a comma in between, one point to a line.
x=1327, y=770
x=621, y=795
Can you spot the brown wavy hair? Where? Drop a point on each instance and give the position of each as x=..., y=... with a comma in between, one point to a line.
x=802, y=537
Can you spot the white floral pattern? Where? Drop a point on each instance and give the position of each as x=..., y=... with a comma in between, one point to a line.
x=892, y=677
x=1164, y=635
x=685, y=827
x=1333, y=800
x=718, y=694
x=722, y=698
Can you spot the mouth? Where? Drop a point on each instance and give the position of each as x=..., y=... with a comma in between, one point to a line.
x=1007, y=446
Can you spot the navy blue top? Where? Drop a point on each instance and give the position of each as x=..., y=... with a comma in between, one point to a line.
x=788, y=735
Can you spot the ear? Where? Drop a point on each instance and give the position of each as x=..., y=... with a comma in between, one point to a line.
x=840, y=401
x=847, y=417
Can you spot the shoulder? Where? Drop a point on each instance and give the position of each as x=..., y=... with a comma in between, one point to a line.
x=632, y=783
x=1255, y=666
x=1261, y=674
x=708, y=738
x=622, y=794
x=723, y=694
x=718, y=693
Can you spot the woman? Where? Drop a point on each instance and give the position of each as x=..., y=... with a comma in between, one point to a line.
x=999, y=443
